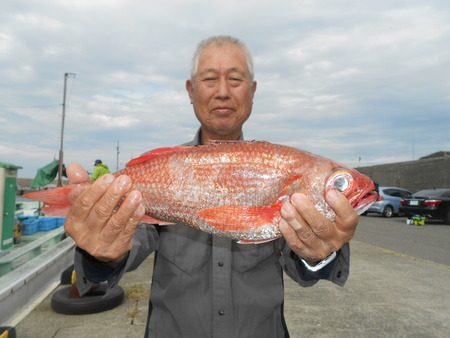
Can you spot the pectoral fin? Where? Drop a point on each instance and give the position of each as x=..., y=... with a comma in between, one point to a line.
x=239, y=218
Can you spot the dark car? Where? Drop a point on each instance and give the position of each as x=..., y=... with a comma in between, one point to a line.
x=389, y=201
x=431, y=203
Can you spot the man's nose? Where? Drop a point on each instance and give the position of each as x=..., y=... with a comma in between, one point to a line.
x=223, y=89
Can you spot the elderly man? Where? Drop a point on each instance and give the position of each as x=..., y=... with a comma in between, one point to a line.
x=203, y=285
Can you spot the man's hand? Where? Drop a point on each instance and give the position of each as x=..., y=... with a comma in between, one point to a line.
x=103, y=216
x=309, y=233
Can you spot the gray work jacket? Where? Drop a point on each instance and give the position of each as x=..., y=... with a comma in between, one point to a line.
x=211, y=287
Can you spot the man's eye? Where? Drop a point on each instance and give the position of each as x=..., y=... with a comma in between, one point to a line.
x=234, y=81
x=209, y=79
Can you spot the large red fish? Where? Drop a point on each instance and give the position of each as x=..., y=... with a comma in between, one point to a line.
x=232, y=189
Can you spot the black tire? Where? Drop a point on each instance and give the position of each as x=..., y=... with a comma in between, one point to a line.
x=388, y=211
x=447, y=217
x=66, y=276
x=11, y=331
x=98, y=300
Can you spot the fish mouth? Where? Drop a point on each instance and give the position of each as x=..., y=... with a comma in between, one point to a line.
x=369, y=196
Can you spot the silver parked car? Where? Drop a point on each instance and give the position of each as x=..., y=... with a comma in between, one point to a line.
x=389, y=202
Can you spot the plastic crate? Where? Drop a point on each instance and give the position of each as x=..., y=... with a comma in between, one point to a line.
x=60, y=221
x=47, y=223
x=22, y=218
x=30, y=226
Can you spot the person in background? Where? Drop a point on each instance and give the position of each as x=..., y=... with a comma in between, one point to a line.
x=99, y=170
x=205, y=286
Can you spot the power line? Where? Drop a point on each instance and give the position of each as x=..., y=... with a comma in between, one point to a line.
x=33, y=106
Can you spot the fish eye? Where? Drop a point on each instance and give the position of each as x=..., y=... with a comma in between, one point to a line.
x=341, y=181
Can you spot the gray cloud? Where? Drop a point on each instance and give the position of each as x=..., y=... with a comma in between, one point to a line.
x=347, y=80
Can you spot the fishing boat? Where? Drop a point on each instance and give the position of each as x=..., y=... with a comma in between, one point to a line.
x=34, y=251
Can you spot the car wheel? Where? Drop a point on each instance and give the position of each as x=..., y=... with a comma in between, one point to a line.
x=447, y=217
x=388, y=211
x=66, y=275
x=98, y=300
x=7, y=332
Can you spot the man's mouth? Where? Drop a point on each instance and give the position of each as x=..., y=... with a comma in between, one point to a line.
x=223, y=110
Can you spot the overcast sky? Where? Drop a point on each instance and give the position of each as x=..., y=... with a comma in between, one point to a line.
x=362, y=82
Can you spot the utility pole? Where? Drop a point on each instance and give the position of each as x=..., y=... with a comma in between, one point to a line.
x=117, y=156
x=61, y=152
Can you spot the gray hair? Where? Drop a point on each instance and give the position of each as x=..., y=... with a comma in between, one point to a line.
x=221, y=40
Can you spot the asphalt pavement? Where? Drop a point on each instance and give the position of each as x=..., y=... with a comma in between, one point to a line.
x=399, y=286
x=431, y=242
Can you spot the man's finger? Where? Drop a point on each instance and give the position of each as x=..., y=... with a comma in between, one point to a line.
x=290, y=236
x=134, y=221
x=318, y=223
x=83, y=204
x=346, y=216
x=292, y=239
x=109, y=201
x=77, y=174
x=120, y=229
x=121, y=218
x=296, y=222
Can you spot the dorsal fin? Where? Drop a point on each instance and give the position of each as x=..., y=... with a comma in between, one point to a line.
x=155, y=153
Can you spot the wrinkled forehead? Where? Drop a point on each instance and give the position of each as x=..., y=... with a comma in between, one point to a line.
x=222, y=57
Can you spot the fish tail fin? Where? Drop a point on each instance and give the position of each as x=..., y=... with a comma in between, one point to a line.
x=56, y=201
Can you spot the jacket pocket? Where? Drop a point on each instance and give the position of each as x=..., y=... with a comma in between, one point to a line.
x=187, y=248
x=248, y=256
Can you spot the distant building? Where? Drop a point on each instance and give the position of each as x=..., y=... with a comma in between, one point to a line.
x=431, y=171
x=436, y=155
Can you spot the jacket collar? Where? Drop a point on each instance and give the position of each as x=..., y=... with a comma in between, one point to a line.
x=197, y=138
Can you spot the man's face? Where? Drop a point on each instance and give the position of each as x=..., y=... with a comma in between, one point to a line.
x=222, y=92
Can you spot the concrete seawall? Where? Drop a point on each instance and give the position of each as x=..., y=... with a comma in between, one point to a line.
x=412, y=175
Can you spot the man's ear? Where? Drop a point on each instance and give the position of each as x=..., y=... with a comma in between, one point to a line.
x=190, y=89
x=253, y=87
